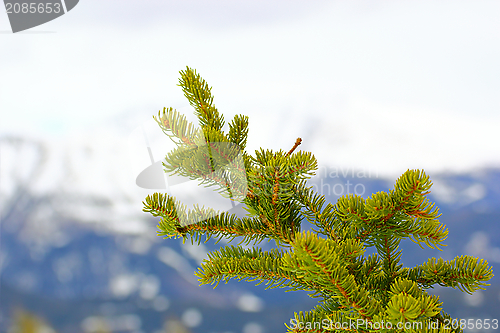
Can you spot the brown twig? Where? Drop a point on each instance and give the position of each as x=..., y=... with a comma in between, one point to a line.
x=297, y=143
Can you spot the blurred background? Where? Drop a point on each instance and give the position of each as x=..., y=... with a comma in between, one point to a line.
x=372, y=87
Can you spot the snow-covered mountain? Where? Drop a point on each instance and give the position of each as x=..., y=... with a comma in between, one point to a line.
x=73, y=232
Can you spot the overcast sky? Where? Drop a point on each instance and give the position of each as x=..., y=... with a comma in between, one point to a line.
x=388, y=85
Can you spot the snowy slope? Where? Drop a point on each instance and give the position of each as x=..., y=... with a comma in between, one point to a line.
x=73, y=228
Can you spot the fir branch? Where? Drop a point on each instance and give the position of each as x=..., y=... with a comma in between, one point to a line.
x=238, y=131
x=272, y=186
x=249, y=265
x=313, y=210
x=322, y=263
x=200, y=97
x=465, y=273
x=409, y=192
x=175, y=125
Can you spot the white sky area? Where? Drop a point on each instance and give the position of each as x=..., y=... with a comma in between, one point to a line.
x=379, y=85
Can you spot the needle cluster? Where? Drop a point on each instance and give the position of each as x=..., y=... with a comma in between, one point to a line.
x=370, y=291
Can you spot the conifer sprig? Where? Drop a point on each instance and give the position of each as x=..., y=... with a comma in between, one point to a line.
x=250, y=265
x=199, y=95
x=272, y=188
